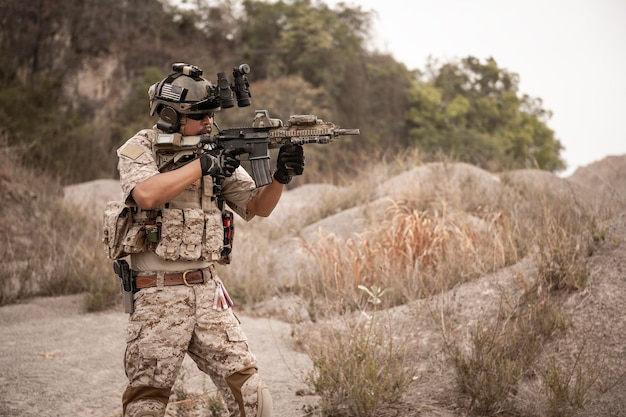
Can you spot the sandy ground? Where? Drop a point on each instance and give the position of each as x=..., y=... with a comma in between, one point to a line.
x=56, y=362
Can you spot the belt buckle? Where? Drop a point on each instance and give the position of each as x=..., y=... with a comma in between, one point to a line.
x=185, y=277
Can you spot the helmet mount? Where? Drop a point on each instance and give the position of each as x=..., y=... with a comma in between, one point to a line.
x=186, y=92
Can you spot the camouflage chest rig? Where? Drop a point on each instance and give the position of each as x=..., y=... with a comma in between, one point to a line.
x=195, y=224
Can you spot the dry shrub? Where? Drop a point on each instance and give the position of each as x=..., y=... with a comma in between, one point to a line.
x=414, y=252
x=559, y=229
x=49, y=248
x=420, y=252
x=501, y=354
x=561, y=235
x=567, y=390
x=360, y=366
x=565, y=239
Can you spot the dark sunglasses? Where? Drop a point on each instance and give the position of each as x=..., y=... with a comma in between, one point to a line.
x=200, y=116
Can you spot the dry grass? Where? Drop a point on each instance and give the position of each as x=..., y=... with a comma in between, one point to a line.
x=49, y=249
x=363, y=362
x=568, y=389
x=501, y=354
x=413, y=252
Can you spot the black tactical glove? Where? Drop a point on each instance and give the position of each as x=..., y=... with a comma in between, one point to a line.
x=220, y=162
x=290, y=162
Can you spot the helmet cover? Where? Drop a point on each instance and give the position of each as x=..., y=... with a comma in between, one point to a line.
x=185, y=91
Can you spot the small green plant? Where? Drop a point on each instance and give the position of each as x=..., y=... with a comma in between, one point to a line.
x=359, y=366
x=213, y=401
x=179, y=390
x=186, y=403
x=215, y=405
x=567, y=390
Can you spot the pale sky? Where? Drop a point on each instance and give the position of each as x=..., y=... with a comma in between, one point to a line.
x=569, y=53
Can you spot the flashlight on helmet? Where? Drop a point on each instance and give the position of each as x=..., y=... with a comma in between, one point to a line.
x=187, y=69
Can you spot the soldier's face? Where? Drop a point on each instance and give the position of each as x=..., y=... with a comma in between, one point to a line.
x=198, y=124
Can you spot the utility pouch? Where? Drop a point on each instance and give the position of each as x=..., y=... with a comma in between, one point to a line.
x=213, y=236
x=135, y=239
x=193, y=229
x=152, y=233
x=118, y=220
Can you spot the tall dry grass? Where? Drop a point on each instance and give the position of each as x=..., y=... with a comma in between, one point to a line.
x=412, y=252
x=48, y=248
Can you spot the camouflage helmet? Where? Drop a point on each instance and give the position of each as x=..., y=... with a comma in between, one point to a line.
x=184, y=92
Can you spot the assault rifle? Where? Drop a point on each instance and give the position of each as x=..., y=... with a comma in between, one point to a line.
x=267, y=133
x=264, y=134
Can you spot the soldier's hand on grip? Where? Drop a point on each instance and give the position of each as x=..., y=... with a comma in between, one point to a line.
x=220, y=162
x=290, y=162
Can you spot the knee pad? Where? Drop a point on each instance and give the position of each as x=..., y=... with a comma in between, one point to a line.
x=252, y=395
x=145, y=408
x=145, y=401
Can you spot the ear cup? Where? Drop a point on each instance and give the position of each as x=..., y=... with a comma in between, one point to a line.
x=169, y=115
x=168, y=120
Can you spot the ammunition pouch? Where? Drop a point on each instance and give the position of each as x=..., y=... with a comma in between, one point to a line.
x=191, y=234
x=121, y=236
x=187, y=234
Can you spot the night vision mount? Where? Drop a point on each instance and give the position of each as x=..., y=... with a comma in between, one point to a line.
x=187, y=92
x=222, y=95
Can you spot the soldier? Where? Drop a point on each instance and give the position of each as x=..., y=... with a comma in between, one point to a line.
x=181, y=228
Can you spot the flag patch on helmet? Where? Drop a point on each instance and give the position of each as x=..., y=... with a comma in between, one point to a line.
x=172, y=92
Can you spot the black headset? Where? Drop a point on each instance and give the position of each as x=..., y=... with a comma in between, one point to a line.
x=169, y=118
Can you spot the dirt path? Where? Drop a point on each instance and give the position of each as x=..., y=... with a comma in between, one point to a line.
x=57, y=361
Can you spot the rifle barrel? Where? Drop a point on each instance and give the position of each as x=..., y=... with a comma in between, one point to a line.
x=343, y=132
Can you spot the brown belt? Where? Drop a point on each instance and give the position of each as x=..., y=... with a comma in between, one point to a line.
x=178, y=278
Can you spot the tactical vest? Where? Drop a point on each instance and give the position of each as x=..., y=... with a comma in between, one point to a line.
x=194, y=226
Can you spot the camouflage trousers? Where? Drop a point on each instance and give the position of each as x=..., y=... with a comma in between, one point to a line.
x=169, y=322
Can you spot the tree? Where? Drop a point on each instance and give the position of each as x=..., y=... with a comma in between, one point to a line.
x=472, y=111
x=385, y=101
x=261, y=26
x=323, y=46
